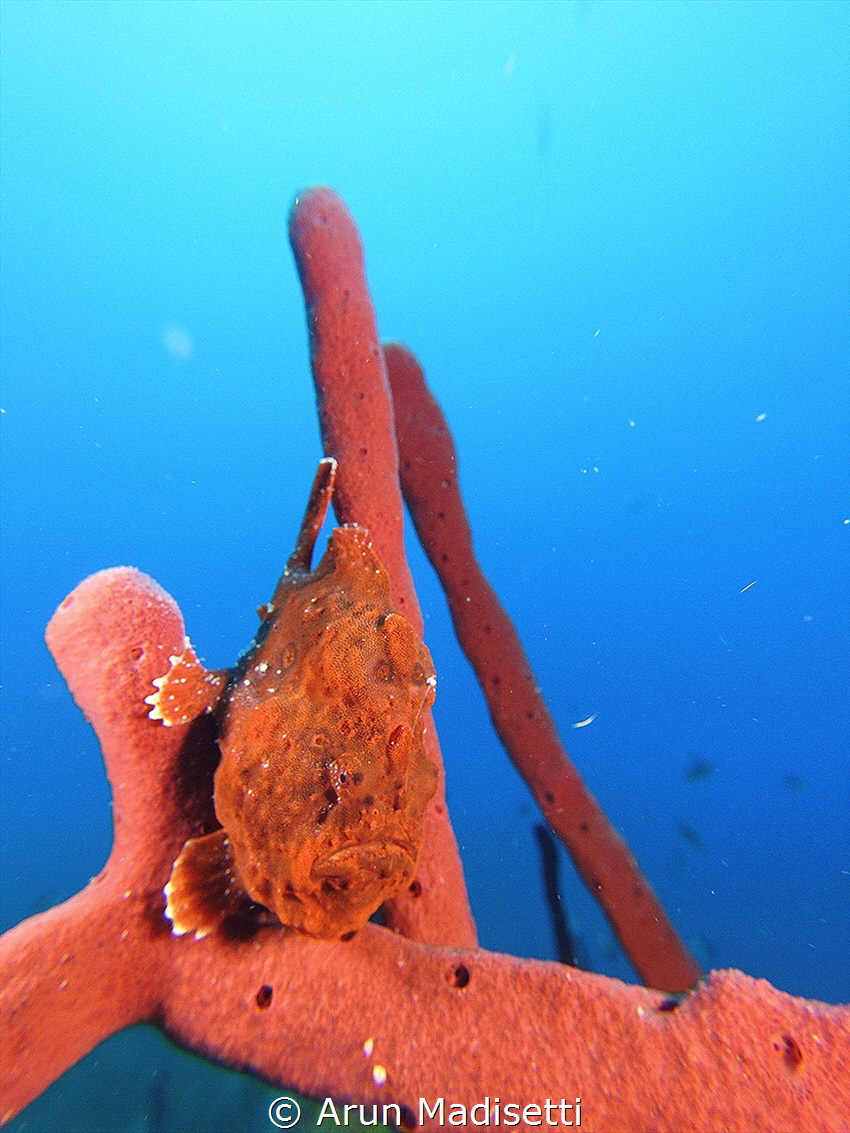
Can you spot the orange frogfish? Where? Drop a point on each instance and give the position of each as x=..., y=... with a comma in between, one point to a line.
x=323, y=781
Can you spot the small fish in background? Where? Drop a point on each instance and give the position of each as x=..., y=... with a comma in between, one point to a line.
x=690, y=836
x=699, y=770
x=793, y=783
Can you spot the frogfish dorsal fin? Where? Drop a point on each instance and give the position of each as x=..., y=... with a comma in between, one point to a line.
x=187, y=690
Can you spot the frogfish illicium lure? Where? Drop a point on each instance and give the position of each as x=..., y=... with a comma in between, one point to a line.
x=323, y=781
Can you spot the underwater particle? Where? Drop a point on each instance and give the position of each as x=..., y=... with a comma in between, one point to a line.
x=747, y=587
x=584, y=723
x=379, y=1075
x=177, y=341
x=793, y=783
x=761, y=416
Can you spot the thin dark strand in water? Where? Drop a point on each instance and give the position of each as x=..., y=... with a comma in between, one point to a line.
x=564, y=945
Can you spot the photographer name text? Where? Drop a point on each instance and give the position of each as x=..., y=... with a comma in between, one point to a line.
x=490, y=1111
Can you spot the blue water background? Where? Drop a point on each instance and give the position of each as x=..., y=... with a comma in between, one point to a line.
x=616, y=234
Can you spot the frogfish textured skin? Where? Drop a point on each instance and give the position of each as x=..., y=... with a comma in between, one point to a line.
x=323, y=781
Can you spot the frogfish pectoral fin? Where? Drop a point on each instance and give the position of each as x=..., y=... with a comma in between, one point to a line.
x=204, y=887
